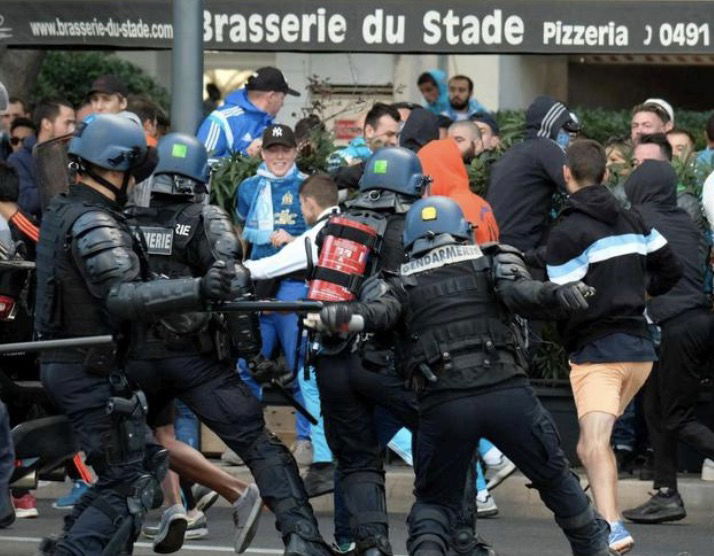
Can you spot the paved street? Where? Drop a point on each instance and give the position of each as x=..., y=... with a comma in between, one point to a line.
x=514, y=536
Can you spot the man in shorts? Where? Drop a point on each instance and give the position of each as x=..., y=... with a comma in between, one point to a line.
x=610, y=350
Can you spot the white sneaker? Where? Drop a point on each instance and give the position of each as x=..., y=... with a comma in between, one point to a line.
x=246, y=514
x=485, y=505
x=302, y=452
x=496, y=474
x=231, y=458
x=708, y=470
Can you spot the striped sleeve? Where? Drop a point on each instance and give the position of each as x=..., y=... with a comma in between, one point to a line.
x=211, y=135
x=25, y=226
x=602, y=250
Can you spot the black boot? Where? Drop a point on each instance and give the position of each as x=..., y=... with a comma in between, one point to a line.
x=665, y=505
x=295, y=545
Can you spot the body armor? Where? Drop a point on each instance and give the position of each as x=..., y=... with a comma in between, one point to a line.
x=66, y=306
x=456, y=328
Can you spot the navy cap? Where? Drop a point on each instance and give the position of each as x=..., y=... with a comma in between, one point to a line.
x=488, y=119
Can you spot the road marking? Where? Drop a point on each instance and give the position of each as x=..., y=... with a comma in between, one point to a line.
x=187, y=546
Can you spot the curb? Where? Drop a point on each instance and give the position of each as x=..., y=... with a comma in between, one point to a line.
x=521, y=501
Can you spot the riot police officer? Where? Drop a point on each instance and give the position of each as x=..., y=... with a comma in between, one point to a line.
x=459, y=348
x=354, y=376
x=178, y=356
x=91, y=279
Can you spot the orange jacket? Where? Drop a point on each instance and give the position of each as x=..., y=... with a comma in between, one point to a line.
x=442, y=161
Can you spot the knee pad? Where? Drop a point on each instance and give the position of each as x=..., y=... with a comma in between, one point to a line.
x=364, y=496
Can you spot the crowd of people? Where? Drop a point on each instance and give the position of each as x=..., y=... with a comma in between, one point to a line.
x=435, y=299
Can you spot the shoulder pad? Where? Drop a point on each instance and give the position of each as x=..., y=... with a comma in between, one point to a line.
x=494, y=248
x=97, y=231
x=509, y=265
x=215, y=220
x=374, y=288
x=220, y=234
x=94, y=219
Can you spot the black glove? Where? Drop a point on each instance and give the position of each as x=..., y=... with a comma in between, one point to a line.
x=242, y=283
x=336, y=316
x=572, y=296
x=216, y=284
x=264, y=371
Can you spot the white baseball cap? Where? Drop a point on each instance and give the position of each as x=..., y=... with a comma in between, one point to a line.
x=664, y=105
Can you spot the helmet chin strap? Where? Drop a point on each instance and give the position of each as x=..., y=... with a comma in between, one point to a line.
x=119, y=192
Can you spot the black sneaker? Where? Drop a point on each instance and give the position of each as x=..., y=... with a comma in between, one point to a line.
x=319, y=479
x=658, y=509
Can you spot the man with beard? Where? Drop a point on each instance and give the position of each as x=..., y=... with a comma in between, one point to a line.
x=461, y=101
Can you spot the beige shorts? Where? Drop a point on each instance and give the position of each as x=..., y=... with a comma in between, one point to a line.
x=607, y=387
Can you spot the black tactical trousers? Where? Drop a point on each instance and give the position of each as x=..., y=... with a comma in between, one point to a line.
x=83, y=398
x=514, y=420
x=672, y=390
x=349, y=394
x=221, y=400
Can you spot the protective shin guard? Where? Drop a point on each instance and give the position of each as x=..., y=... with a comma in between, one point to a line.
x=587, y=533
x=429, y=530
x=281, y=488
x=367, y=505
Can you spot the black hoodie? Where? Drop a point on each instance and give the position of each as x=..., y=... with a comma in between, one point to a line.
x=524, y=180
x=421, y=127
x=652, y=190
x=610, y=248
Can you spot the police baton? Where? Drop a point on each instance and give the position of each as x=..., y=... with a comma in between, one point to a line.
x=63, y=343
x=273, y=306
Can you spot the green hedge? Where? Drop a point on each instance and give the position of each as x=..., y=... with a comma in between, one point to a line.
x=70, y=74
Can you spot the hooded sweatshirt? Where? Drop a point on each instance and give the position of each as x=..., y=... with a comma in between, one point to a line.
x=233, y=126
x=652, y=190
x=612, y=249
x=441, y=104
x=421, y=127
x=441, y=159
x=524, y=180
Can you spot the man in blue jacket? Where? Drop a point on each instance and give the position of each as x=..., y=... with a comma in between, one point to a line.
x=238, y=125
x=53, y=118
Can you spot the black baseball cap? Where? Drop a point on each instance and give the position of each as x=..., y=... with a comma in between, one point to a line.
x=110, y=84
x=488, y=119
x=278, y=134
x=269, y=79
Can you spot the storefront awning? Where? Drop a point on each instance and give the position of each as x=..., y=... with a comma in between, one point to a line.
x=415, y=26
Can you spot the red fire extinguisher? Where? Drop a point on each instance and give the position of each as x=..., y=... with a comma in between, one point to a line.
x=345, y=251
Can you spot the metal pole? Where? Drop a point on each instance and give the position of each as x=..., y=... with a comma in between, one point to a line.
x=274, y=306
x=62, y=343
x=187, y=66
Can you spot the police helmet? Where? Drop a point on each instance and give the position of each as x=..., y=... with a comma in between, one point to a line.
x=109, y=141
x=432, y=222
x=183, y=166
x=394, y=169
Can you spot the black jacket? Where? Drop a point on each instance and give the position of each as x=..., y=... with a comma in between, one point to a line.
x=652, y=190
x=524, y=180
x=613, y=250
